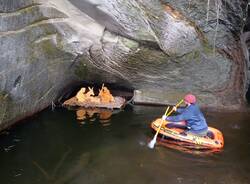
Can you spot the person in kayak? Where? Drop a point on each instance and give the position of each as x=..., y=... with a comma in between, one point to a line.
x=190, y=118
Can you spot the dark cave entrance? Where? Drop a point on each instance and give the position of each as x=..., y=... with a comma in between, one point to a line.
x=116, y=90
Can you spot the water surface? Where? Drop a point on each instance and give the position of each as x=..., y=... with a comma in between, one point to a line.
x=55, y=147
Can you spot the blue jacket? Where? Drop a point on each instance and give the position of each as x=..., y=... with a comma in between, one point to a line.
x=192, y=115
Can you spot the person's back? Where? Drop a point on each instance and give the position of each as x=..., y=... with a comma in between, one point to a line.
x=194, y=118
x=191, y=115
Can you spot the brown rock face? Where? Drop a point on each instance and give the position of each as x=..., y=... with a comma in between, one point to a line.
x=162, y=50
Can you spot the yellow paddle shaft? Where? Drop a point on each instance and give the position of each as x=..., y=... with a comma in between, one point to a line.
x=167, y=114
x=177, y=105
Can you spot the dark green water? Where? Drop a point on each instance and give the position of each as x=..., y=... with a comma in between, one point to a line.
x=53, y=147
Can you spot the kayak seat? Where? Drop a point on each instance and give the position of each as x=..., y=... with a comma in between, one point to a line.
x=176, y=125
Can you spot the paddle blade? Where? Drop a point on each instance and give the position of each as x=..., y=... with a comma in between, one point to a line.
x=151, y=144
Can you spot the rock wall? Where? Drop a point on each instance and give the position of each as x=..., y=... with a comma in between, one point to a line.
x=161, y=49
x=245, y=40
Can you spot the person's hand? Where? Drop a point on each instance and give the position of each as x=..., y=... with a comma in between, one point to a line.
x=164, y=117
x=175, y=108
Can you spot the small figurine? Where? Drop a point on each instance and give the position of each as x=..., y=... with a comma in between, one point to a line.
x=81, y=95
x=105, y=95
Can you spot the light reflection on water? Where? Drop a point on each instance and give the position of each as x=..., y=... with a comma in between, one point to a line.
x=55, y=147
x=91, y=114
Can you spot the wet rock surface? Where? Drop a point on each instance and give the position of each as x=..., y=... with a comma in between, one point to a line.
x=162, y=49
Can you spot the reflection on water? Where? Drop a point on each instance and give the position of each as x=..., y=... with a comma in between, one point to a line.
x=52, y=176
x=53, y=147
x=186, y=147
x=91, y=114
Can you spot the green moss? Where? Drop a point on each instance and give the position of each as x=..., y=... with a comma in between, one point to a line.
x=3, y=96
x=130, y=43
x=157, y=96
x=27, y=9
x=147, y=56
x=59, y=41
x=174, y=96
x=81, y=70
x=44, y=45
x=189, y=56
x=196, y=55
x=48, y=47
x=207, y=49
x=4, y=101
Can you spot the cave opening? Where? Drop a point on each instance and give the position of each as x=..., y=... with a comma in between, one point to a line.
x=115, y=89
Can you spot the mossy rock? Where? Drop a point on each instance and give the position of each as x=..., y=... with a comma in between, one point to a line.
x=4, y=103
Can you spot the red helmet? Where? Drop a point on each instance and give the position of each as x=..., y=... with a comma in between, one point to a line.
x=190, y=98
